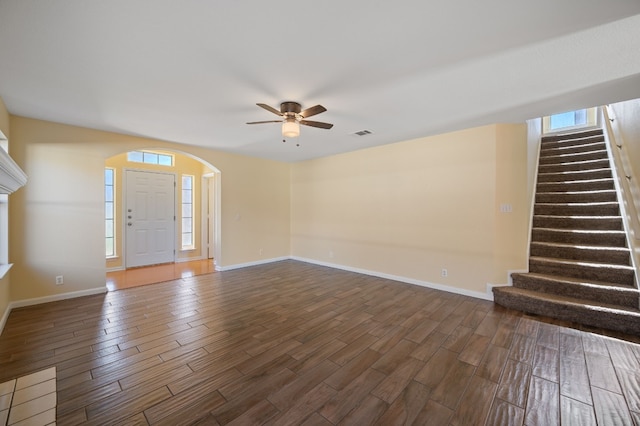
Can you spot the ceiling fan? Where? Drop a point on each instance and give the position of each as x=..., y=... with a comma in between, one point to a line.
x=292, y=116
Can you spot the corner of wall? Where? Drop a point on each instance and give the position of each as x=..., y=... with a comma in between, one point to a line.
x=4, y=118
x=5, y=283
x=4, y=301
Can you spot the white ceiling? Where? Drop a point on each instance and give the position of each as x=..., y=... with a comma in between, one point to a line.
x=191, y=71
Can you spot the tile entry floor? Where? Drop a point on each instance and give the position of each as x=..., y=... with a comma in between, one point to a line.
x=135, y=277
x=29, y=400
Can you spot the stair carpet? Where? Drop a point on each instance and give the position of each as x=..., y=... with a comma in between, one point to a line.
x=580, y=265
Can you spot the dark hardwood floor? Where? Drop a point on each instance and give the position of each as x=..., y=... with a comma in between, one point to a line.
x=294, y=343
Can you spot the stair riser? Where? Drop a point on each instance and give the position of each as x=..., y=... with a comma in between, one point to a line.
x=577, y=197
x=616, y=239
x=573, y=137
x=571, y=158
x=576, y=314
x=573, y=167
x=598, y=185
x=577, y=210
x=600, y=224
x=617, y=257
x=548, y=151
x=573, y=176
x=619, y=296
x=586, y=272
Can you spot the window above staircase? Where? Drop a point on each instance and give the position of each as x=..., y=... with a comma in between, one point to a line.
x=570, y=121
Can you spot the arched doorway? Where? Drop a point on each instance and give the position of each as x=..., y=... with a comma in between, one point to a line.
x=161, y=214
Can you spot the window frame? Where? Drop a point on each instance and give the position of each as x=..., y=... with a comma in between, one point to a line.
x=189, y=203
x=113, y=254
x=591, y=121
x=151, y=157
x=12, y=178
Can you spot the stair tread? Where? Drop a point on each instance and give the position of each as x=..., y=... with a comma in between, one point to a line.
x=582, y=246
x=587, y=203
x=601, y=169
x=585, y=192
x=573, y=135
x=573, y=301
x=555, y=216
x=582, y=263
x=580, y=281
x=566, y=154
x=584, y=231
x=575, y=157
x=583, y=182
x=584, y=143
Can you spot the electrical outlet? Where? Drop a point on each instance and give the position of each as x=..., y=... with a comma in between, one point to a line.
x=59, y=280
x=444, y=272
x=330, y=254
x=260, y=252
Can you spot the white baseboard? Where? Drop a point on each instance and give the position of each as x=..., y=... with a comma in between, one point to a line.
x=435, y=286
x=246, y=265
x=57, y=297
x=47, y=299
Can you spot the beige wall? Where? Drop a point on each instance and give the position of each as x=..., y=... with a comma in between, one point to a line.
x=511, y=228
x=183, y=165
x=413, y=208
x=406, y=210
x=57, y=219
x=5, y=283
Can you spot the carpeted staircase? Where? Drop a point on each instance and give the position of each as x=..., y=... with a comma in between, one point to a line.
x=579, y=265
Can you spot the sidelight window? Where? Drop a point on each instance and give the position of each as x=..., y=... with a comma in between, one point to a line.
x=187, y=212
x=109, y=211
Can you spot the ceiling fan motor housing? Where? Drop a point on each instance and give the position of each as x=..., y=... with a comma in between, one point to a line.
x=290, y=107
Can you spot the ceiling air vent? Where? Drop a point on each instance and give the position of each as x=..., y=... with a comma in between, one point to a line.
x=363, y=133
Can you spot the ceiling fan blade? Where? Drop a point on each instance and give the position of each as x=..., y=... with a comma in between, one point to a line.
x=319, y=124
x=270, y=109
x=312, y=111
x=260, y=122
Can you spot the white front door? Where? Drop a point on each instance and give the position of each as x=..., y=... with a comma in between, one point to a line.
x=149, y=218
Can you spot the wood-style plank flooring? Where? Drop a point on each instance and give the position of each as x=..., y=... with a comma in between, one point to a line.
x=300, y=344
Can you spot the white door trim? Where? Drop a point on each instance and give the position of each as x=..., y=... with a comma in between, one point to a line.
x=207, y=216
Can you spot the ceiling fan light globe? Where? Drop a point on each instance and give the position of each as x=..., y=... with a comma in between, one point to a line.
x=290, y=129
